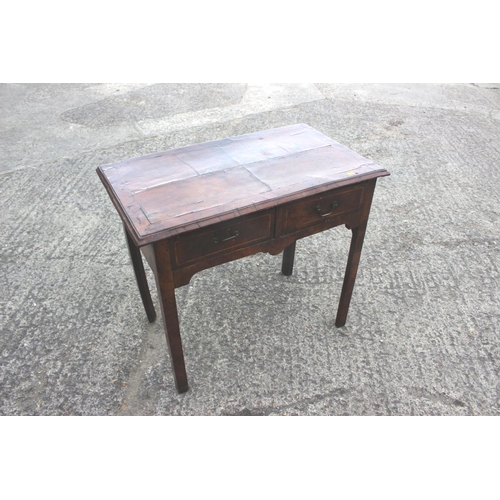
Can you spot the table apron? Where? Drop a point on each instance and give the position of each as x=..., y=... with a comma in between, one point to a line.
x=274, y=246
x=272, y=232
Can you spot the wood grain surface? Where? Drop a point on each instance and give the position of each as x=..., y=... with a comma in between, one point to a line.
x=164, y=194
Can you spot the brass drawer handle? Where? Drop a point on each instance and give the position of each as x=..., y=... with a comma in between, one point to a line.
x=335, y=205
x=216, y=240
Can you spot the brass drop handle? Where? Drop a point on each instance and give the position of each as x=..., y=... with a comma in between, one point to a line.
x=216, y=240
x=335, y=205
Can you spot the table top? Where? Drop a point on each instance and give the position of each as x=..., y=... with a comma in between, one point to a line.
x=163, y=194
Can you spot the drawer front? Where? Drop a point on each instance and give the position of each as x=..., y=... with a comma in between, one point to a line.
x=321, y=208
x=226, y=236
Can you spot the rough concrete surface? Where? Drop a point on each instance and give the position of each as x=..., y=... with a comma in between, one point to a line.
x=423, y=331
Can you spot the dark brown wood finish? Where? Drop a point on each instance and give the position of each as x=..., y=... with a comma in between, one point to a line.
x=358, y=235
x=288, y=257
x=140, y=276
x=166, y=292
x=320, y=208
x=223, y=237
x=220, y=180
x=196, y=207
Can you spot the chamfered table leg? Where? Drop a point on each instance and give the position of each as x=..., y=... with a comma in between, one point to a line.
x=288, y=257
x=358, y=235
x=166, y=293
x=140, y=276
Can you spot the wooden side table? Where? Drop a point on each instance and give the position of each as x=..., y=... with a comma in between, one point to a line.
x=199, y=206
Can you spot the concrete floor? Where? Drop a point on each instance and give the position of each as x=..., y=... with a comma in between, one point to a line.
x=423, y=331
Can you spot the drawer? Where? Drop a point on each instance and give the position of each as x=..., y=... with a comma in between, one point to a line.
x=226, y=236
x=321, y=208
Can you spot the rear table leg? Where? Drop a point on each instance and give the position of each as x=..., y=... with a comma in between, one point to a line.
x=140, y=276
x=288, y=257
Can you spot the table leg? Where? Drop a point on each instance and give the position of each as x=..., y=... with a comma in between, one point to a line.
x=140, y=276
x=358, y=235
x=288, y=257
x=166, y=293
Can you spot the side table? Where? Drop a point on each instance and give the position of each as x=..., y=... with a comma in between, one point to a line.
x=195, y=207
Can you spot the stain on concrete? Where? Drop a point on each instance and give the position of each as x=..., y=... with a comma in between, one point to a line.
x=155, y=101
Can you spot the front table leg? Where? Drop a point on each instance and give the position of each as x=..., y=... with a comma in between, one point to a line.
x=166, y=293
x=358, y=235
